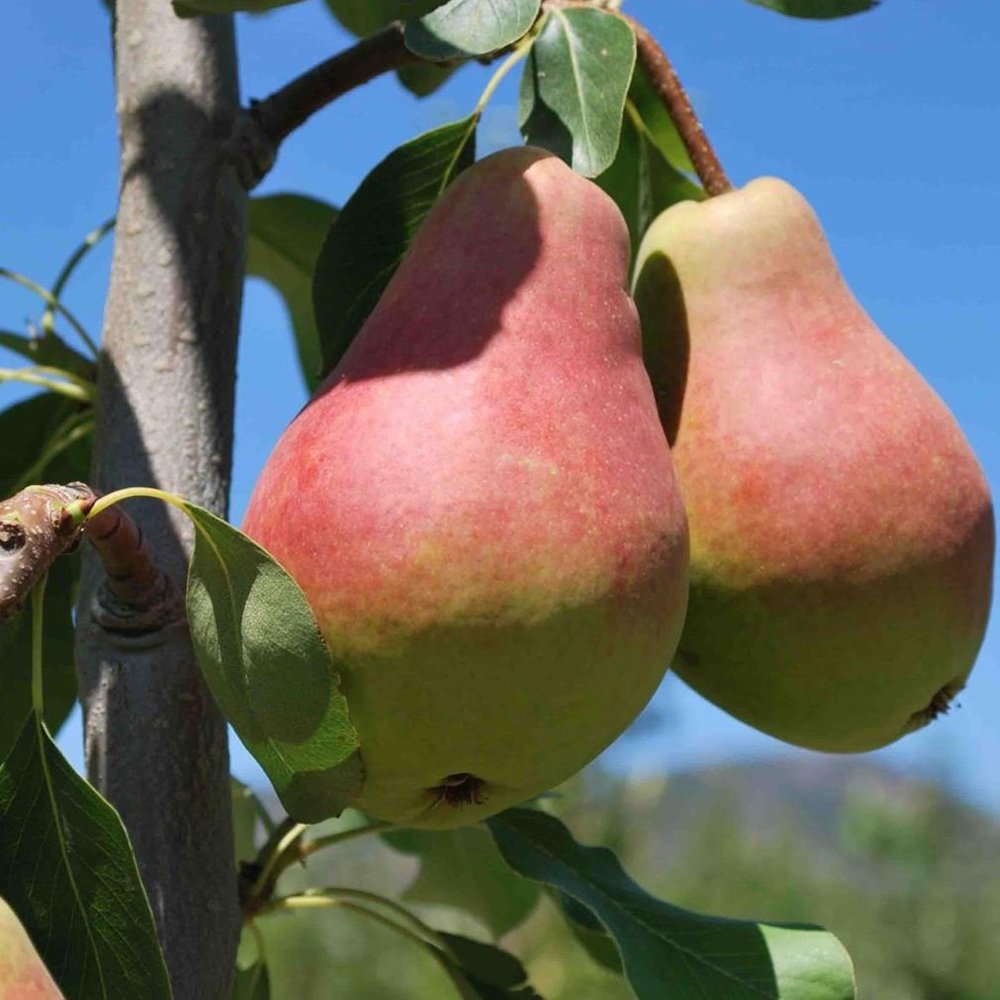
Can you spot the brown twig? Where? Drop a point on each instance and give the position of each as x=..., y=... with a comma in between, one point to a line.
x=668, y=86
x=269, y=121
x=286, y=109
x=34, y=532
x=40, y=523
x=134, y=580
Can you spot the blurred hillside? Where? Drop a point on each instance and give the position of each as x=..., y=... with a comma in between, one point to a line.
x=902, y=872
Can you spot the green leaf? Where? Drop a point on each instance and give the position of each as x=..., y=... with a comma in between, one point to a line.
x=664, y=947
x=75, y=259
x=195, y=8
x=35, y=433
x=423, y=79
x=589, y=932
x=67, y=869
x=48, y=349
x=818, y=9
x=489, y=964
x=41, y=442
x=248, y=812
x=59, y=674
x=286, y=233
x=659, y=126
x=574, y=86
x=269, y=669
x=244, y=822
x=252, y=982
x=463, y=28
x=463, y=868
x=371, y=234
x=641, y=180
x=484, y=972
x=364, y=17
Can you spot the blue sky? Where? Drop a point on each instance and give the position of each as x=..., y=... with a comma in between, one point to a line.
x=888, y=122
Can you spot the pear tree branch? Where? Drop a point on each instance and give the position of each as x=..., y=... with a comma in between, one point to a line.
x=268, y=122
x=286, y=109
x=278, y=115
x=34, y=531
x=41, y=523
x=671, y=92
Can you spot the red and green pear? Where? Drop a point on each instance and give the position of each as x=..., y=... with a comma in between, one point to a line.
x=23, y=975
x=480, y=504
x=842, y=531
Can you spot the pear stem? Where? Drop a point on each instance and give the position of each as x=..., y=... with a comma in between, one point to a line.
x=320, y=843
x=283, y=848
x=671, y=92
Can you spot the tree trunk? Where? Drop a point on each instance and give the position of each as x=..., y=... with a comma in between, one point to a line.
x=155, y=741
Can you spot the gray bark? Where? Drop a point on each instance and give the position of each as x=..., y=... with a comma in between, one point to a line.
x=155, y=742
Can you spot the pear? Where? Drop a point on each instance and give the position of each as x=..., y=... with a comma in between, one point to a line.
x=841, y=529
x=480, y=505
x=23, y=975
